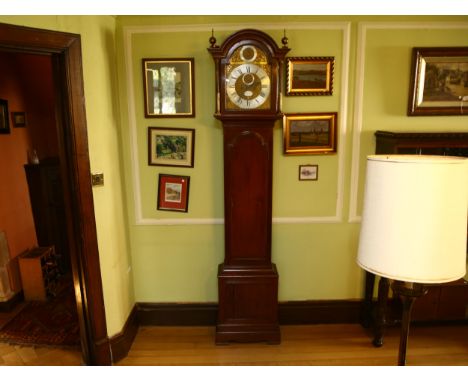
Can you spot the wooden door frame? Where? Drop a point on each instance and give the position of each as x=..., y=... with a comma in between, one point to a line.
x=65, y=50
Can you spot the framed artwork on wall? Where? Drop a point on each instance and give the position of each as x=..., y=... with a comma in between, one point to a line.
x=171, y=147
x=308, y=172
x=439, y=81
x=4, y=117
x=169, y=87
x=173, y=192
x=309, y=76
x=18, y=118
x=310, y=133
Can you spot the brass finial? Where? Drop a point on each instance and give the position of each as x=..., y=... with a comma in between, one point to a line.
x=284, y=40
x=212, y=39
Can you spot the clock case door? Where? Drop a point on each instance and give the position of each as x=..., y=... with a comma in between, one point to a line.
x=247, y=280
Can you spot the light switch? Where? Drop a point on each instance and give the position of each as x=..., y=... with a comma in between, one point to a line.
x=97, y=179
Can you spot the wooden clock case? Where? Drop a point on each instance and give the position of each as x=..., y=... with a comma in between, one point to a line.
x=248, y=280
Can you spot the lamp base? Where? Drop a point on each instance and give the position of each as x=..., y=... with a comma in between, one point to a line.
x=408, y=292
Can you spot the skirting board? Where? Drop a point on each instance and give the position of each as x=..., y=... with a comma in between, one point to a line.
x=290, y=313
x=205, y=314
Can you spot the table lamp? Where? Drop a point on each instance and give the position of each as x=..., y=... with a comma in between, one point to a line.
x=414, y=225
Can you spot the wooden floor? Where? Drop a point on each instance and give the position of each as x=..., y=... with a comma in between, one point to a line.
x=301, y=345
x=329, y=345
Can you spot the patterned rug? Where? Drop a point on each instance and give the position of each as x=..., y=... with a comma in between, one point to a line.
x=48, y=323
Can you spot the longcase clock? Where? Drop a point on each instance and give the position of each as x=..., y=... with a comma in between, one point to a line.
x=248, y=80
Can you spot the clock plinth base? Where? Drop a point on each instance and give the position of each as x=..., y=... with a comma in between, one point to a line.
x=248, y=304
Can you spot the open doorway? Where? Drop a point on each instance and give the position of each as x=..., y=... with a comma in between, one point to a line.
x=64, y=51
x=35, y=248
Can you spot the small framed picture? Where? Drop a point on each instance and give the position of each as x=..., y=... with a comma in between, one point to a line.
x=310, y=133
x=169, y=87
x=308, y=172
x=171, y=146
x=309, y=76
x=4, y=117
x=18, y=118
x=173, y=192
x=439, y=81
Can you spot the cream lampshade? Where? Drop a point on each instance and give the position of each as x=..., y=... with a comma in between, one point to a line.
x=415, y=218
x=414, y=225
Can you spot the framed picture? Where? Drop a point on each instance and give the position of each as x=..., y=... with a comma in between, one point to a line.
x=171, y=146
x=18, y=118
x=311, y=133
x=4, y=117
x=169, y=87
x=439, y=81
x=308, y=172
x=173, y=192
x=309, y=76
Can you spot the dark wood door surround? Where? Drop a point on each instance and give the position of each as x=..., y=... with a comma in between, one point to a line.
x=65, y=50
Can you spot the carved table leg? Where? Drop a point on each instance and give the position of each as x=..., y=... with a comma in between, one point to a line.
x=366, y=311
x=381, y=316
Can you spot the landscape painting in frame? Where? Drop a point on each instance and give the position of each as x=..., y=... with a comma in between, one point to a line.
x=312, y=133
x=173, y=191
x=309, y=76
x=439, y=81
x=171, y=146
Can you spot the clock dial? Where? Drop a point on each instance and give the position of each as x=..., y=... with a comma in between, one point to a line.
x=248, y=86
x=248, y=79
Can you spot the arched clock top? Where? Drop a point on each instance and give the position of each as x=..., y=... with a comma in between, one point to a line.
x=248, y=75
x=246, y=37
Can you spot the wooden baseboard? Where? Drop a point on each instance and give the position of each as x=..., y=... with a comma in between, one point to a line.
x=205, y=314
x=290, y=313
x=121, y=342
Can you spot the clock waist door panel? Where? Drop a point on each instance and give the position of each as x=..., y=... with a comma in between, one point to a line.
x=247, y=195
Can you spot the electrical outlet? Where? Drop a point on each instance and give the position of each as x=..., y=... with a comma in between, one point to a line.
x=97, y=179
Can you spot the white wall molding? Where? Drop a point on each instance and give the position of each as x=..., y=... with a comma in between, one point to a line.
x=129, y=31
x=363, y=28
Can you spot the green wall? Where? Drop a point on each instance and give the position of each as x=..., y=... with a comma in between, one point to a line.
x=153, y=256
x=315, y=230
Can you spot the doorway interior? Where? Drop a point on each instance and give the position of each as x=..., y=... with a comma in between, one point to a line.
x=64, y=52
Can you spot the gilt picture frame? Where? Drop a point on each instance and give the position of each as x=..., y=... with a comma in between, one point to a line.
x=4, y=117
x=169, y=146
x=310, y=133
x=169, y=87
x=439, y=81
x=309, y=76
x=173, y=192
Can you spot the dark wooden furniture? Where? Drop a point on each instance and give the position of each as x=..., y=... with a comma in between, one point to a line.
x=443, y=301
x=248, y=78
x=39, y=273
x=47, y=202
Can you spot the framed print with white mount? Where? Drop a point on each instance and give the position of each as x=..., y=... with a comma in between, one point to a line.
x=169, y=87
x=169, y=146
x=308, y=172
